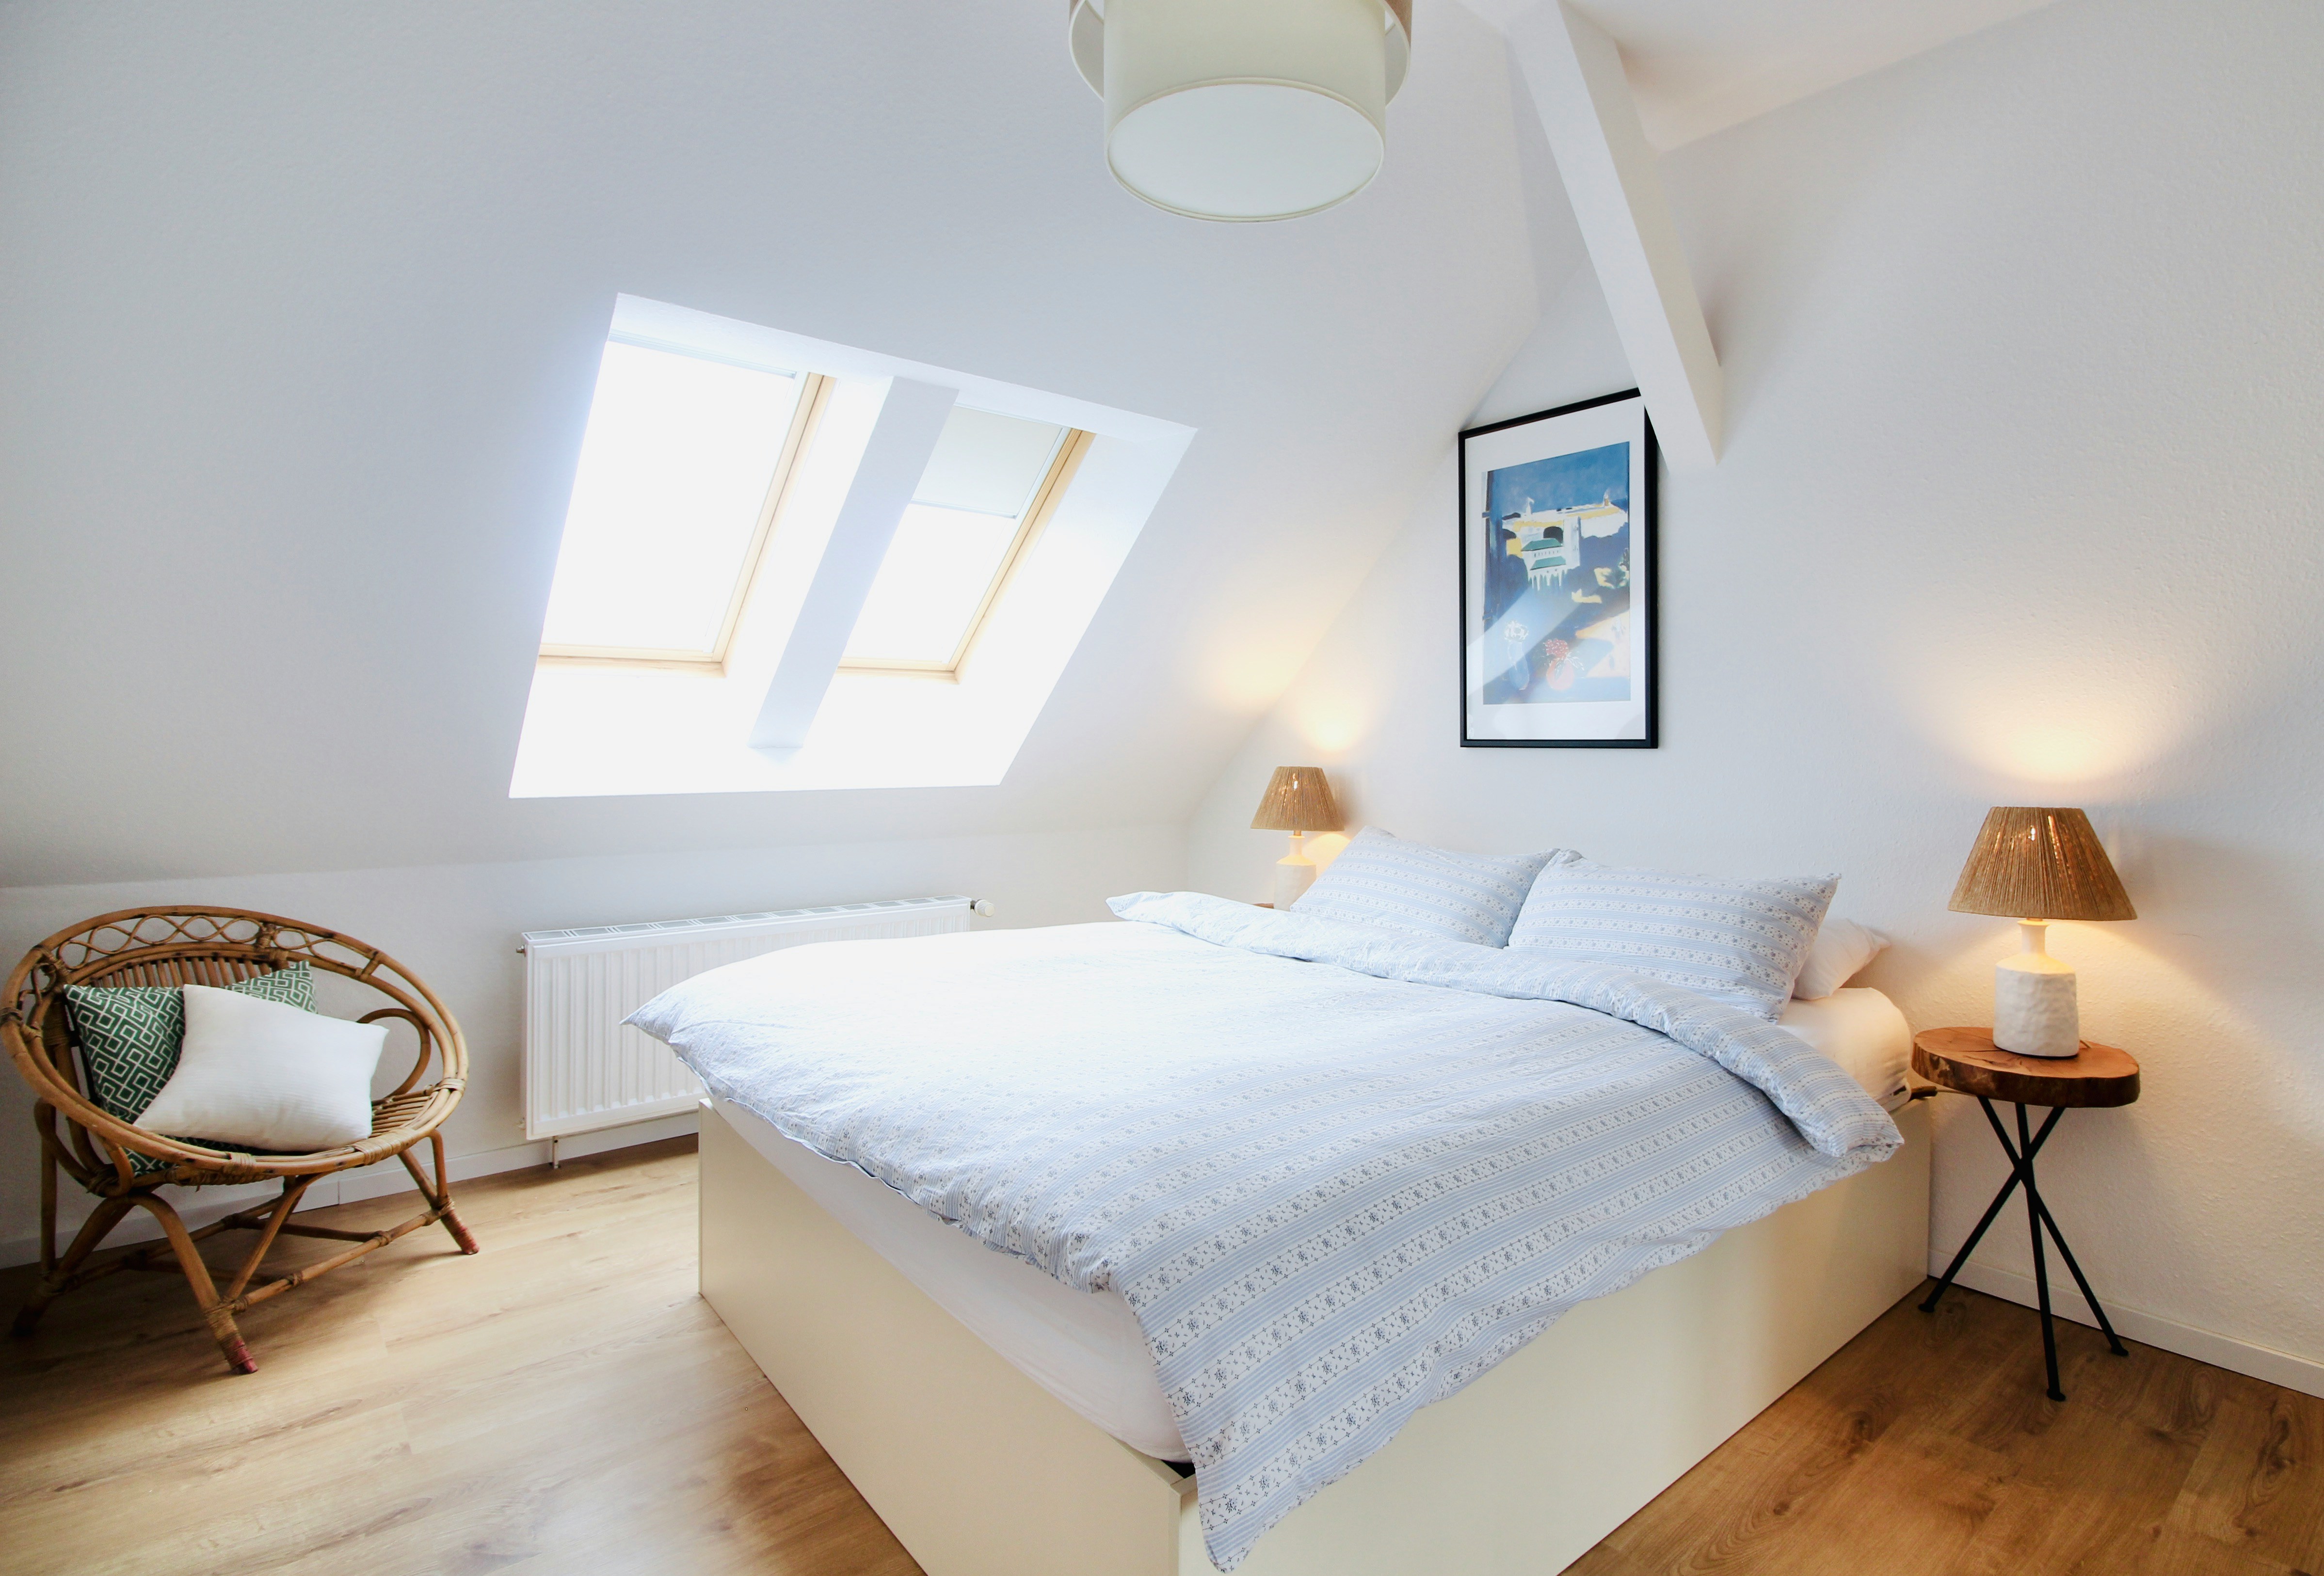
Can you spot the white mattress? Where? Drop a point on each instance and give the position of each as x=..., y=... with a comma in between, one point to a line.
x=1085, y=1349
x=1861, y=1030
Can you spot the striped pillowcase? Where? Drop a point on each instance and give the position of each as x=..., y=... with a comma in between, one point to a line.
x=1415, y=890
x=1737, y=942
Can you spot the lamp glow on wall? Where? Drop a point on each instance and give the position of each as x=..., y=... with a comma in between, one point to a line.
x=1243, y=109
x=1298, y=801
x=2036, y=865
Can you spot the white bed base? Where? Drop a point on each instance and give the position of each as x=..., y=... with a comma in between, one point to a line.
x=979, y=1471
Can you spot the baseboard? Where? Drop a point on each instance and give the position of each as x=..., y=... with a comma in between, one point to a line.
x=200, y=1206
x=574, y=1145
x=2261, y=1362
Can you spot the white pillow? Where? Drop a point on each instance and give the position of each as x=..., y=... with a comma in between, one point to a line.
x=1439, y=893
x=1738, y=942
x=1842, y=948
x=261, y=1076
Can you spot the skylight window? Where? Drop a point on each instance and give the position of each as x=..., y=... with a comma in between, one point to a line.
x=987, y=491
x=772, y=539
x=682, y=469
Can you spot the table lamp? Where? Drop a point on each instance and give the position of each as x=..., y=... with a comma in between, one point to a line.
x=2036, y=865
x=1298, y=801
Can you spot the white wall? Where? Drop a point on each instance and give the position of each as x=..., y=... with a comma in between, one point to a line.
x=457, y=926
x=2020, y=504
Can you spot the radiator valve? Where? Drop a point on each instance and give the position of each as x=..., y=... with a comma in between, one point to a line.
x=982, y=906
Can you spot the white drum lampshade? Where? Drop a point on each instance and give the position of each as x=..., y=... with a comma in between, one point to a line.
x=1243, y=109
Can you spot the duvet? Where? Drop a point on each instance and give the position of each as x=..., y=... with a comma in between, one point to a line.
x=1337, y=1174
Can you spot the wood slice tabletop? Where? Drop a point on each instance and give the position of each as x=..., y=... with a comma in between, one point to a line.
x=1967, y=1061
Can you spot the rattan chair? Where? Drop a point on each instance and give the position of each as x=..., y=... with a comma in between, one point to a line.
x=217, y=948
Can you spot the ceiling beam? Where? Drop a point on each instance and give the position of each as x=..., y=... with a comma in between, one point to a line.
x=1583, y=98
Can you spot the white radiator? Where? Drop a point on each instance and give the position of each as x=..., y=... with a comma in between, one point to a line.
x=584, y=1069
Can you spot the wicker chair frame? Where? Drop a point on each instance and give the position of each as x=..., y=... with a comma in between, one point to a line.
x=217, y=947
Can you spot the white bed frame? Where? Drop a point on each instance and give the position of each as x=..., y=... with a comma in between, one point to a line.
x=979, y=1471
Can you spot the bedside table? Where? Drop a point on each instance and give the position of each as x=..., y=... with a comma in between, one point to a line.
x=1966, y=1061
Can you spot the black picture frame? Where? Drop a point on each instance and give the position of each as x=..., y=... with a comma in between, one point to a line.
x=1556, y=722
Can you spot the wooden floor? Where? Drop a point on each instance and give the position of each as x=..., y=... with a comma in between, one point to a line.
x=564, y=1403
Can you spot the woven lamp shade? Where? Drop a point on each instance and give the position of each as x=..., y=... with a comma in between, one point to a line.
x=2032, y=864
x=1297, y=799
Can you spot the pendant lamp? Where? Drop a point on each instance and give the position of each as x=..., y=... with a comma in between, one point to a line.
x=1243, y=109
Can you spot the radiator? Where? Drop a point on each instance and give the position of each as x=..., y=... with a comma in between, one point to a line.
x=584, y=1069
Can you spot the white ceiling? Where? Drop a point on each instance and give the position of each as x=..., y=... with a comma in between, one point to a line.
x=304, y=302
x=1701, y=66
x=302, y=312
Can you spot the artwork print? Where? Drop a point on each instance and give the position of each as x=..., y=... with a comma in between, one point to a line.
x=1556, y=578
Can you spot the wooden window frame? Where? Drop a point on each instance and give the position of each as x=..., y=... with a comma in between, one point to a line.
x=815, y=393
x=1036, y=519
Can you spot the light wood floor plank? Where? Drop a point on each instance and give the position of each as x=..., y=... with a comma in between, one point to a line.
x=2258, y=1486
x=564, y=1403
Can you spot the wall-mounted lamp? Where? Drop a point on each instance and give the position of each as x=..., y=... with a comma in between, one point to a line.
x=2037, y=865
x=1298, y=801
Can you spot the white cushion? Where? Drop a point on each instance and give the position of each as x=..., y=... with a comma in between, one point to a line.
x=1736, y=941
x=261, y=1076
x=1842, y=948
x=1439, y=893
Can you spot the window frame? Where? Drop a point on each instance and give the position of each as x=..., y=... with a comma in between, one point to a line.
x=815, y=393
x=1046, y=497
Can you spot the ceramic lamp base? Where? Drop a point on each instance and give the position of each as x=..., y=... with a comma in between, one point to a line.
x=1295, y=872
x=2035, y=1012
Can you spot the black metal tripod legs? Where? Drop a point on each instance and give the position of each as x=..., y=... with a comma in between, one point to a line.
x=2037, y=1217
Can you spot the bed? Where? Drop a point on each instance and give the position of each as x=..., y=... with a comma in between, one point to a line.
x=1030, y=1409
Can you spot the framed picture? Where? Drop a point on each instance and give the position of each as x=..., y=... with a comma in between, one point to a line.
x=1557, y=578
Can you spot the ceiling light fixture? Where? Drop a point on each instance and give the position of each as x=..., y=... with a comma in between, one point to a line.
x=1243, y=109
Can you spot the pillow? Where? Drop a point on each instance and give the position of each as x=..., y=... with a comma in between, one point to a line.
x=1842, y=947
x=261, y=1076
x=129, y=1034
x=1738, y=942
x=1411, y=888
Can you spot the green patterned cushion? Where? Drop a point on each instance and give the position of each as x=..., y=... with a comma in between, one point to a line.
x=129, y=1034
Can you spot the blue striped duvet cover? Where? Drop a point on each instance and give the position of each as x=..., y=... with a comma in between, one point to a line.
x=1337, y=1173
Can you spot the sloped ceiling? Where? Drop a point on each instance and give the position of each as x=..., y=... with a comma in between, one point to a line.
x=1701, y=66
x=302, y=310
x=299, y=307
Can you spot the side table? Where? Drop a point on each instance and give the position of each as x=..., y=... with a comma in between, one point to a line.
x=1967, y=1062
